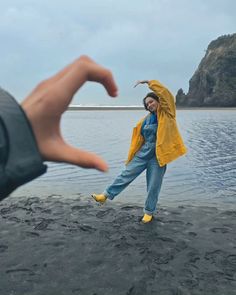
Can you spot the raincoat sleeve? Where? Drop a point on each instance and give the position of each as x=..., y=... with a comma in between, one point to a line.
x=20, y=160
x=167, y=101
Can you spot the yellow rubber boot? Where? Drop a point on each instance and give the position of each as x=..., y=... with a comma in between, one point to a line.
x=146, y=218
x=99, y=198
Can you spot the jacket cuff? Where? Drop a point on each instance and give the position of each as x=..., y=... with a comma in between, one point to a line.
x=155, y=83
x=22, y=161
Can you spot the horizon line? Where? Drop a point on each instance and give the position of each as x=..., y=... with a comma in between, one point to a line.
x=137, y=107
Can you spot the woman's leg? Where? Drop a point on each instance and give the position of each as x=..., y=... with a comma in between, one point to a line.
x=154, y=177
x=131, y=171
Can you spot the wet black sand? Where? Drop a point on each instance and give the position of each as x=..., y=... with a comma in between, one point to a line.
x=64, y=246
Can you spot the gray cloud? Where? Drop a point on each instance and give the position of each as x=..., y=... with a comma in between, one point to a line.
x=162, y=39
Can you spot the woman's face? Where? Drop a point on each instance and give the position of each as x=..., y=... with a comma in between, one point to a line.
x=152, y=104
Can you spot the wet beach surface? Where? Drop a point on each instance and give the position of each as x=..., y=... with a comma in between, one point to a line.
x=74, y=246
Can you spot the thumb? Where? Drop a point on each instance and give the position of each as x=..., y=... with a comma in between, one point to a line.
x=69, y=154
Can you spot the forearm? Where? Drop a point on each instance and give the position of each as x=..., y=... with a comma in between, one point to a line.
x=20, y=160
x=166, y=98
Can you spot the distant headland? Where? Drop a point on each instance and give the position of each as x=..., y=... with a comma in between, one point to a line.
x=214, y=82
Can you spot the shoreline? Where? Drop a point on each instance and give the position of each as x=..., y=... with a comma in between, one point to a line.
x=57, y=246
x=126, y=198
x=126, y=108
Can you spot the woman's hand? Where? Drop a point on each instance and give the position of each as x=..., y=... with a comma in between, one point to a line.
x=49, y=100
x=141, y=82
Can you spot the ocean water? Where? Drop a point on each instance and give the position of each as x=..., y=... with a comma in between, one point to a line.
x=206, y=175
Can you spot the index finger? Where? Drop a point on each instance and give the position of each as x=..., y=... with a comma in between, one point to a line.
x=136, y=84
x=85, y=69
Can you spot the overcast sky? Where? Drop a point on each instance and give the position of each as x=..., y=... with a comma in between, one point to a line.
x=142, y=39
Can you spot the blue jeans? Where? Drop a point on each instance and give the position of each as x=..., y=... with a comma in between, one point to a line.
x=154, y=177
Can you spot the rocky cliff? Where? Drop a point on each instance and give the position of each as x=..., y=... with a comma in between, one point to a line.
x=214, y=82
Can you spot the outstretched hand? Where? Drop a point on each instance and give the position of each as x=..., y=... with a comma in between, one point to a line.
x=49, y=100
x=140, y=82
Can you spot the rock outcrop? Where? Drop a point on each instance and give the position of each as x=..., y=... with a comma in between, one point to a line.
x=214, y=82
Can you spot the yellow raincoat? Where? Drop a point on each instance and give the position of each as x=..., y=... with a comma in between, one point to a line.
x=169, y=144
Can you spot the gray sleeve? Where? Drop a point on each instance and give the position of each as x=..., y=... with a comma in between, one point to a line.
x=20, y=160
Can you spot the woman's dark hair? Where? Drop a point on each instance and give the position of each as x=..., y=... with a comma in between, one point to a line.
x=152, y=95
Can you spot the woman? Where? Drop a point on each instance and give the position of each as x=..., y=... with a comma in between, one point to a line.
x=155, y=142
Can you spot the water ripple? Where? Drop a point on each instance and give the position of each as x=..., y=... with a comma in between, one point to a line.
x=207, y=172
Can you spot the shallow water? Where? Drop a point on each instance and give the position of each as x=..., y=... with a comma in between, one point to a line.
x=205, y=175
